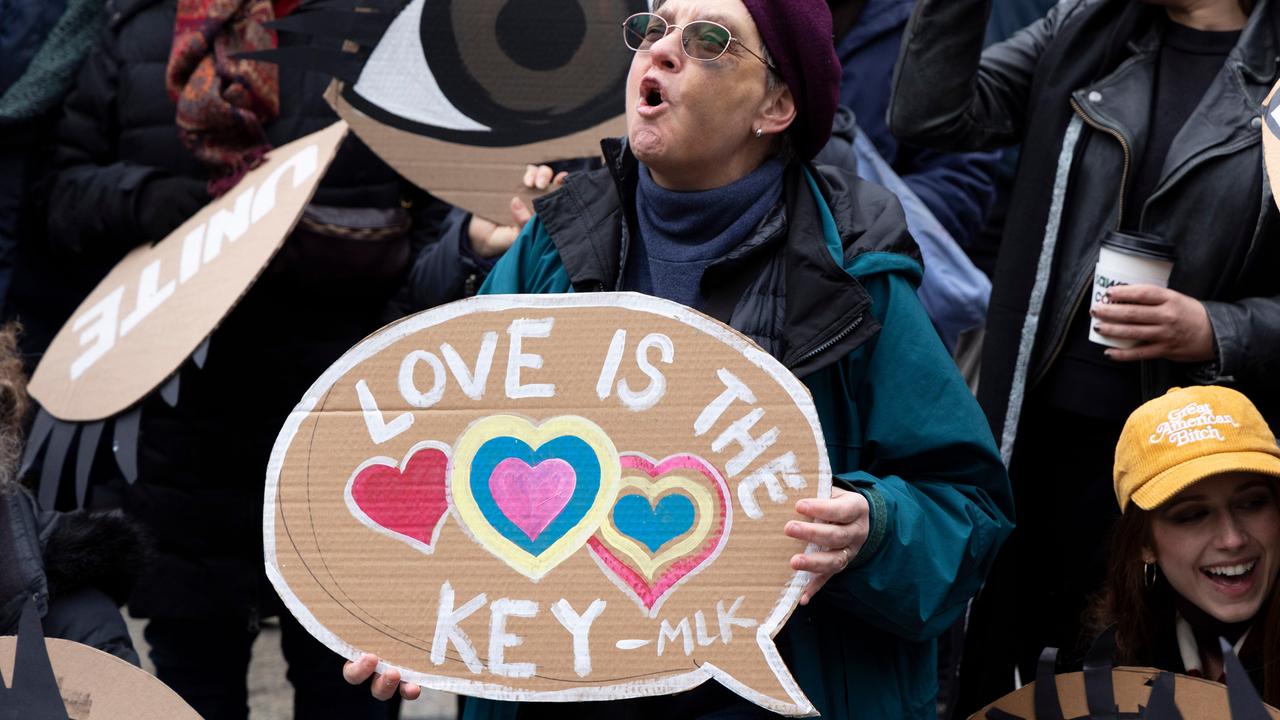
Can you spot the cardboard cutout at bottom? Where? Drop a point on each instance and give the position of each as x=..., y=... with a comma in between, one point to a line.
x=1196, y=698
x=98, y=686
x=550, y=498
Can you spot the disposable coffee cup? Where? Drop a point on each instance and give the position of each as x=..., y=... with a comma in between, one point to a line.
x=1128, y=259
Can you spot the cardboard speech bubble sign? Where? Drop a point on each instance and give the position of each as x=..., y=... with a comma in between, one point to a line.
x=161, y=301
x=573, y=497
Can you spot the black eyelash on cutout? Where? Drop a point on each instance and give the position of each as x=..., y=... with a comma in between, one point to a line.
x=363, y=28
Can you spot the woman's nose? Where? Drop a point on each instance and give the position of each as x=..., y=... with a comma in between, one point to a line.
x=668, y=52
x=1232, y=535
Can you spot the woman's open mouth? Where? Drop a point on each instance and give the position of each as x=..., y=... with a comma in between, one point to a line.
x=652, y=98
x=1233, y=579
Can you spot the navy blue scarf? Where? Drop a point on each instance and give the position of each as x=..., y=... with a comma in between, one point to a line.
x=681, y=233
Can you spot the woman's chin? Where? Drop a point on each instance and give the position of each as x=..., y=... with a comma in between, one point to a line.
x=647, y=145
x=1232, y=605
x=1231, y=614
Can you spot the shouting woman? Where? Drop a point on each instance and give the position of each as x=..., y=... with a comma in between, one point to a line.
x=711, y=201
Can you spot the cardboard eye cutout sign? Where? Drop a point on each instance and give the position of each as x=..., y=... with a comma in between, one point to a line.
x=161, y=301
x=573, y=497
x=1271, y=138
x=460, y=95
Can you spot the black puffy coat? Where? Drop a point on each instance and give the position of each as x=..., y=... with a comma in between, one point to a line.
x=77, y=568
x=202, y=463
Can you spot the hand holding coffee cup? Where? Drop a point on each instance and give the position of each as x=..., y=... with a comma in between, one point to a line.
x=1135, y=314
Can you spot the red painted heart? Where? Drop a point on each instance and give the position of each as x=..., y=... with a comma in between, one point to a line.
x=407, y=502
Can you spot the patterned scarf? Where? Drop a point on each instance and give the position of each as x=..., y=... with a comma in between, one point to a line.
x=223, y=103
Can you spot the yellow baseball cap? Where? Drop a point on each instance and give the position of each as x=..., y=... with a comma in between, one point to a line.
x=1185, y=436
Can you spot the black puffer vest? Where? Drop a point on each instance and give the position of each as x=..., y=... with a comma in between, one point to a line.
x=753, y=288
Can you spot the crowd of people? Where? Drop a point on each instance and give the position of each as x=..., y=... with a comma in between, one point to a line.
x=903, y=201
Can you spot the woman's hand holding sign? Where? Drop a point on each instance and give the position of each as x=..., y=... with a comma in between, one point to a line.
x=488, y=239
x=841, y=526
x=384, y=685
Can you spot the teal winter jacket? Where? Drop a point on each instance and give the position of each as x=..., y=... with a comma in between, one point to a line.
x=900, y=425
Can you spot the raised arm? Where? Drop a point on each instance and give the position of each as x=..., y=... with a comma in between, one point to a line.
x=948, y=94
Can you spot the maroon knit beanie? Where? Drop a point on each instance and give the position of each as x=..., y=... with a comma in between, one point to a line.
x=798, y=35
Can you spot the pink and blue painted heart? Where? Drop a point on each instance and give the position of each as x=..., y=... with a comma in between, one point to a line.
x=532, y=497
x=532, y=494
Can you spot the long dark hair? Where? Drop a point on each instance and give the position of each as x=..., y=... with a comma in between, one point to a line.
x=1144, y=616
x=13, y=402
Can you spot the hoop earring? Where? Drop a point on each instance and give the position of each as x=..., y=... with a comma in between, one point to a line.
x=1149, y=574
x=759, y=132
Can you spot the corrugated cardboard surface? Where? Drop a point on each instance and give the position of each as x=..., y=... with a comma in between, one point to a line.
x=160, y=302
x=361, y=589
x=1197, y=698
x=1271, y=137
x=98, y=686
x=479, y=179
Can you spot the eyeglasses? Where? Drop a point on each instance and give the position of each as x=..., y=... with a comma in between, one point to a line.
x=701, y=39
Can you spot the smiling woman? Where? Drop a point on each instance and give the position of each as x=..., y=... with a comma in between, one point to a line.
x=1196, y=554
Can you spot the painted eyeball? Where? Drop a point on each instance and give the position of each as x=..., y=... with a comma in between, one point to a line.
x=501, y=72
x=459, y=95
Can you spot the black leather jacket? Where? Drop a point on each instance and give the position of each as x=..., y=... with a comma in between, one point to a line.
x=1075, y=89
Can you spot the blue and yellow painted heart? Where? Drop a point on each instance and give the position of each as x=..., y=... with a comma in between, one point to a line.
x=533, y=494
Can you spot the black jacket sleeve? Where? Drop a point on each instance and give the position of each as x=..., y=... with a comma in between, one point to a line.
x=88, y=616
x=91, y=563
x=93, y=198
x=948, y=94
x=1247, y=342
x=446, y=270
x=85, y=563
x=442, y=271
